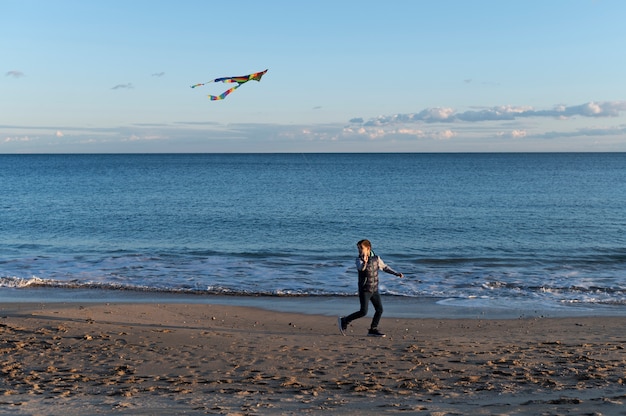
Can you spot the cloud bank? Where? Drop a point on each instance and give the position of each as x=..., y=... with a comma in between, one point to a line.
x=581, y=127
x=499, y=113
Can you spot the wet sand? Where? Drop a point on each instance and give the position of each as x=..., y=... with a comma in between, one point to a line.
x=192, y=358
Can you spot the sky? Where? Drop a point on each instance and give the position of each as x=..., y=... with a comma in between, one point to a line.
x=114, y=76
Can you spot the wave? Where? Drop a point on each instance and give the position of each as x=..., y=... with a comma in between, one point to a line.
x=36, y=282
x=495, y=290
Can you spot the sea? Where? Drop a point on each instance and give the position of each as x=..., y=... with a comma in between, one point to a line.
x=491, y=229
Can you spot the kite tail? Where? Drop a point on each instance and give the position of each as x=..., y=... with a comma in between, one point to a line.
x=224, y=94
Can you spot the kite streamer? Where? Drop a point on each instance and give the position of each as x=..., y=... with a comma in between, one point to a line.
x=231, y=80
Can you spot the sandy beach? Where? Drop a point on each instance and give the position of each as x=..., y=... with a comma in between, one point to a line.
x=177, y=358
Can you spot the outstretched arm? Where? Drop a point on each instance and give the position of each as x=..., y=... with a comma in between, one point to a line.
x=387, y=269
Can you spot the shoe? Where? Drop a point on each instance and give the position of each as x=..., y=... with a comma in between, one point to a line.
x=342, y=326
x=375, y=333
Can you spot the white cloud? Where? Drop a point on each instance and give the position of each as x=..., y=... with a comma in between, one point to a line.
x=595, y=109
x=435, y=114
x=411, y=132
x=145, y=137
x=445, y=135
x=17, y=139
x=386, y=132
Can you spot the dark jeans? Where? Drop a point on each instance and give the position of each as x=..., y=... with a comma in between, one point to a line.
x=365, y=298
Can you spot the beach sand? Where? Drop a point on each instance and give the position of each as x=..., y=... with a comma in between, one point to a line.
x=164, y=359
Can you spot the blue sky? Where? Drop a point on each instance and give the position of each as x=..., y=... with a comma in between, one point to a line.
x=343, y=76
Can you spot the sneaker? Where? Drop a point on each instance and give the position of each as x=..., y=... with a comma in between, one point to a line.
x=375, y=333
x=342, y=326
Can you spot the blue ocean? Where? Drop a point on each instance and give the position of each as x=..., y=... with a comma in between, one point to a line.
x=500, y=229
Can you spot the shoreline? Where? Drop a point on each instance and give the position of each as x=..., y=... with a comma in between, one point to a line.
x=77, y=358
x=394, y=306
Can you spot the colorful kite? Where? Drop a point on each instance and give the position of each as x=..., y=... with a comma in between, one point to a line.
x=230, y=80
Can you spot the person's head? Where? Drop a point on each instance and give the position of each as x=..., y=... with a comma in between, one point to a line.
x=364, y=246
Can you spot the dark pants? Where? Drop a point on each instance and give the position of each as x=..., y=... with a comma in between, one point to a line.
x=365, y=298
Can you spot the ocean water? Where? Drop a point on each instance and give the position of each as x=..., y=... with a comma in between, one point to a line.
x=494, y=228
